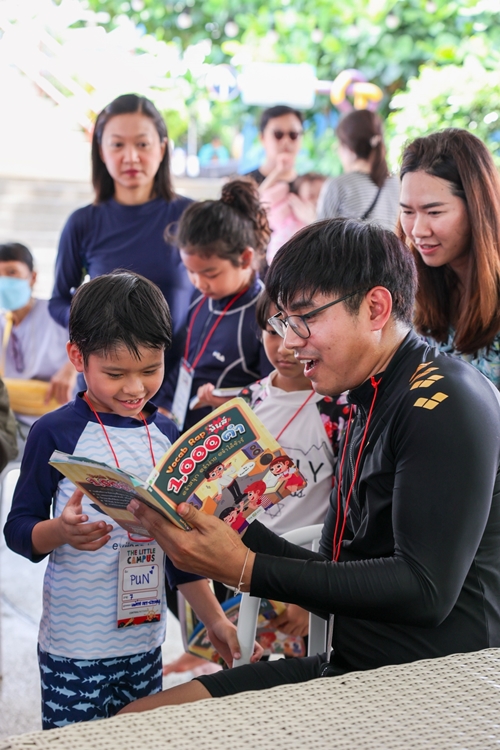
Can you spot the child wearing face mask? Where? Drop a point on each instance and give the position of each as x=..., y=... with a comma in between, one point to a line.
x=33, y=345
x=221, y=242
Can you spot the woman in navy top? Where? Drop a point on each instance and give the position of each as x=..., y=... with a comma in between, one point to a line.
x=134, y=203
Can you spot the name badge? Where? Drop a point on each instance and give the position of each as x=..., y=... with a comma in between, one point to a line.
x=182, y=394
x=141, y=584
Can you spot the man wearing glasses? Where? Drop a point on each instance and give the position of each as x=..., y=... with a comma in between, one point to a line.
x=409, y=562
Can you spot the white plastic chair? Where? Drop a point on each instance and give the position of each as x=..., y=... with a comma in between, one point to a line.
x=11, y=466
x=249, y=607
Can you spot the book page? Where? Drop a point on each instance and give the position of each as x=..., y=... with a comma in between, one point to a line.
x=228, y=465
x=110, y=489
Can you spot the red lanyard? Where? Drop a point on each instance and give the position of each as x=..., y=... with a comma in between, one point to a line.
x=212, y=330
x=96, y=415
x=296, y=414
x=338, y=544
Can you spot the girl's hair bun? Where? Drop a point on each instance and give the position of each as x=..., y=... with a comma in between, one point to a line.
x=229, y=225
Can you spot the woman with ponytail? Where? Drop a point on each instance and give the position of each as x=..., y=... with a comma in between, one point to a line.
x=221, y=243
x=366, y=190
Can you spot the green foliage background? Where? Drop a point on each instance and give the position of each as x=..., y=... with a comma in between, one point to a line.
x=435, y=60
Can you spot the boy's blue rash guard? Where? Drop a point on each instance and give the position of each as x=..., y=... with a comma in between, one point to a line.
x=419, y=571
x=102, y=238
x=234, y=355
x=38, y=484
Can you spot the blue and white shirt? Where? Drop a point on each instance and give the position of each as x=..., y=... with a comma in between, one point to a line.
x=79, y=619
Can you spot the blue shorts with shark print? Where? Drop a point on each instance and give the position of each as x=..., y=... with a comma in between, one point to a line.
x=75, y=690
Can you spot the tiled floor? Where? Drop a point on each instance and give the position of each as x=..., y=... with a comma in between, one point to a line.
x=20, y=609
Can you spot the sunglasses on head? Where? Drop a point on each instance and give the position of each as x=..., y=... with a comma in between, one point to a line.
x=292, y=134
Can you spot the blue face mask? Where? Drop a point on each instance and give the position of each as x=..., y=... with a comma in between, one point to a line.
x=14, y=293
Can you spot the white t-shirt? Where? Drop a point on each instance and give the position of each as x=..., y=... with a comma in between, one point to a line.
x=311, y=439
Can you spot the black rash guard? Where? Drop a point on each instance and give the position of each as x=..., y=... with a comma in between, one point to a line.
x=419, y=570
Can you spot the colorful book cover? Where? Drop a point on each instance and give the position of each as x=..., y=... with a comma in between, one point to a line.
x=227, y=465
x=272, y=641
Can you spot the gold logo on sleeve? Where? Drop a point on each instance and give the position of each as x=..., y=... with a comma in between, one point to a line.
x=430, y=403
x=424, y=376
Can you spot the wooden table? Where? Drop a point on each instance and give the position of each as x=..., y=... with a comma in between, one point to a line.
x=440, y=703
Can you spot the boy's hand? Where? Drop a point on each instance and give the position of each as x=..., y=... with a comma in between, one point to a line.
x=223, y=637
x=205, y=397
x=76, y=532
x=293, y=621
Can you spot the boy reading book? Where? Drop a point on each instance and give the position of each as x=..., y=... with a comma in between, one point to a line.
x=92, y=661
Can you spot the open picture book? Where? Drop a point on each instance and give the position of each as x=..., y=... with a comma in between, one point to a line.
x=227, y=465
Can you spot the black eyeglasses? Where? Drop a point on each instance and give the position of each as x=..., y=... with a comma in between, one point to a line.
x=292, y=134
x=298, y=323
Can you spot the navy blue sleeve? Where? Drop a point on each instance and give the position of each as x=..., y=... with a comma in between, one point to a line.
x=37, y=484
x=166, y=426
x=69, y=268
x=176, y=577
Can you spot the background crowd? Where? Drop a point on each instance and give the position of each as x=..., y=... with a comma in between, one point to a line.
x=210, y=260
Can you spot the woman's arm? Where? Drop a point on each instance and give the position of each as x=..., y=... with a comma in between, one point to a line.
x=69, y=269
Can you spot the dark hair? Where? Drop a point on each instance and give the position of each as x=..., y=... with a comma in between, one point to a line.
x=129, y=104
x=278, y=111
x=18, y=252
x=262, y=308
x=463, y=160
x=340, y=256
x=211, y=467
x=227, y=226
x=119, y=309
x=227, y=511
x=362, y=132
